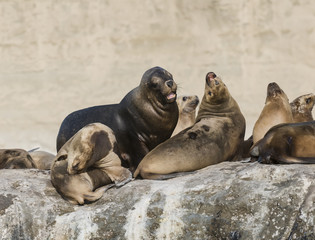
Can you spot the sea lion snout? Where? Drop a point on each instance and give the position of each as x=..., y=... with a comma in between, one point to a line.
x=311, y=98
x=196, y=101
x=273, y=89
x=209, y=77
x=171, y=97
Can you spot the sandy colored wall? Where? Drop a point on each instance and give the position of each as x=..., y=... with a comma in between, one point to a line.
x=58, y=56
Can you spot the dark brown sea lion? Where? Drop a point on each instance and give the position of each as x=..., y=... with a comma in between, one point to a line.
x=15, y=159
x=86, y=163
x=276, y=110
x=187, y=112
x=287, y=143
x=215, y=137
x=302, y=108
x=144, y=118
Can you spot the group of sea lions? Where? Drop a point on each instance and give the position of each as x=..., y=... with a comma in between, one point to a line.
x=154, y=134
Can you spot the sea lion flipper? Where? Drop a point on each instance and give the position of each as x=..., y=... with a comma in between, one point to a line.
x=296, y=160
x=97, y=194
x=153, y=176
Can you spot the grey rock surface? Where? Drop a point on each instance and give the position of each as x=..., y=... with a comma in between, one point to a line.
x=224, y=201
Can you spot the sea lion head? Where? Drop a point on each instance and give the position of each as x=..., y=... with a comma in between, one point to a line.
x=274, y=91
x=216, y=91
x=16, y=159
x=302, y=107
x=187, y=104
x=159, y=85
x=89, y=145
x=77, y=152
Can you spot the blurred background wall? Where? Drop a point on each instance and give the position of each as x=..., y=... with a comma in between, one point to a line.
x=57, y=56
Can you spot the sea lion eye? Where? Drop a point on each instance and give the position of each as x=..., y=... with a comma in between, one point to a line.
x=308, y=100
x=216, y=82
x=184, y=99
x=153, y=85
x=209, y=93
x=154, y=82
x=62, y=157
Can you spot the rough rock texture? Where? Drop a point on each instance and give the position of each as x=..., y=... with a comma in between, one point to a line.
x=224, y=201
x=60, y=56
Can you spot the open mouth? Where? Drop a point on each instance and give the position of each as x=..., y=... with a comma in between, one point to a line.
x=171, y=96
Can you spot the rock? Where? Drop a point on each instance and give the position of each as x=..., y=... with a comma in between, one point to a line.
x=231, y=200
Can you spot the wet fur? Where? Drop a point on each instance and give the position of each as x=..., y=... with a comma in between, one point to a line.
x=143, y=119
x=287, y=144
x=87, y=162
x=276, y=110
x=15, y=159
x=42, y=159
x=215, y=137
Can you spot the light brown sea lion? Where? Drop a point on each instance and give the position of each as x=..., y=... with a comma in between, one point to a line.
x=215, y=137
x=187, y=112
x=87, y=162
x=15, y=159
x=302, y=108
x=276, y=110
x=287, y=143
x=144, y=118
x=42, y=159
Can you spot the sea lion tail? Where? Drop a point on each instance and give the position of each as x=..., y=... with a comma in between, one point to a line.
x=97, y=194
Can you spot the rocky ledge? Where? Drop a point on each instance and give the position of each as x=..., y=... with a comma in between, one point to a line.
x=225, y=201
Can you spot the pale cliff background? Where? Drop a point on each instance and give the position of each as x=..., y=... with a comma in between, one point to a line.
x=59, y=56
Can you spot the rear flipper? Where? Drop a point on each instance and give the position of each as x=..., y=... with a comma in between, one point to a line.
x=286, y=160
x=97, y=194
x=295, y=160
x=154, y=176
x=127, y=177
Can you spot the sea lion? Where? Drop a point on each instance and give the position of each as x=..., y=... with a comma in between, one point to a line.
x=144, y=118
x=42, y=159
x=15, y=159
x=287, y=143
x=276, y=110
x=215, y=137
x=302, y=108
x=86, y=163
x=187, y=112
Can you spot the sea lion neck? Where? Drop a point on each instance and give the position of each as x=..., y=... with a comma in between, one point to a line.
x=224, y=109
x=149, y=111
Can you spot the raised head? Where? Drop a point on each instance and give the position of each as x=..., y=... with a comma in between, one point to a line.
x=273, y=91
x=215, y=90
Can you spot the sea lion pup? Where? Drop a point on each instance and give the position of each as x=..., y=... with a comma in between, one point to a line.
x=15, y=159
x=144, y=118
x=187, y=112
x=215, y=137
x=86, y=163
x=302, y=108
x=287, y=143
x=42, y=159
x=276, y=110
